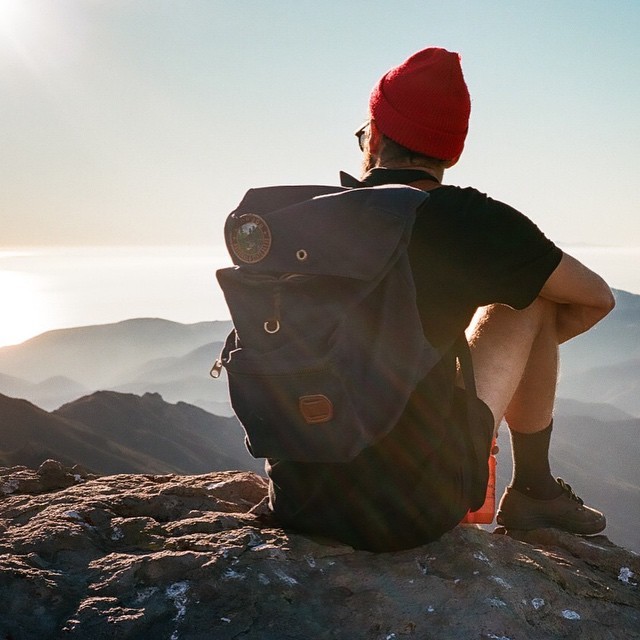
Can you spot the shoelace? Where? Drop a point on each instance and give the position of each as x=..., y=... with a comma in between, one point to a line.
x=569, y=491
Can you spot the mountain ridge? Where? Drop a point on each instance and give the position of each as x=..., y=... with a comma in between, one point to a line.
x=99, y=355
x=109, y=432
x=155, y=355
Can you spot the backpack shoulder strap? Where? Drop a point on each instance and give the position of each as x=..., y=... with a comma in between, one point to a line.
x=478, y=435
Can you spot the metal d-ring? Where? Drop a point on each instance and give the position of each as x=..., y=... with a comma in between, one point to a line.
x=272, y=329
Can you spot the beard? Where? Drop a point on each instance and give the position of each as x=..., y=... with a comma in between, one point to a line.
x=368, y=162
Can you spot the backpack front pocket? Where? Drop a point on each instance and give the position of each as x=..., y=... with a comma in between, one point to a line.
x=302, y=414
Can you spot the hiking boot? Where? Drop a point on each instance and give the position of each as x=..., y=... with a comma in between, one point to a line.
x=567, y=512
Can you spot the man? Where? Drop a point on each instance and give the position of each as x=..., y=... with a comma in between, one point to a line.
x=477, y=264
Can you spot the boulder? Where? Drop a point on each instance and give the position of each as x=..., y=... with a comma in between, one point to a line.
x=197, y=557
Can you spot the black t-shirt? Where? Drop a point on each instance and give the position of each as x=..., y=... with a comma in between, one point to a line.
x=467, y=251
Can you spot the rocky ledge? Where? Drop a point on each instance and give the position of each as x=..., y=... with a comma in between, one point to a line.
x=193, y=557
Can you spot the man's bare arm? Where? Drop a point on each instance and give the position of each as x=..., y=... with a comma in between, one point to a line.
x=583, y=297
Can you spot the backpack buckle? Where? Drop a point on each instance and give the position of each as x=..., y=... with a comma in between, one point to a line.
x=272, y=326
x=216, y=369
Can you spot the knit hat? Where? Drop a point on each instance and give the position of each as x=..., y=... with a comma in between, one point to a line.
x=424, y=104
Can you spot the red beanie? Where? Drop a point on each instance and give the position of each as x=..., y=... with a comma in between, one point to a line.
x=424, y=104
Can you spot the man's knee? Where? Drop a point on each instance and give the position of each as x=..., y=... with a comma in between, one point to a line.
x=540, y=313
x=506, y=343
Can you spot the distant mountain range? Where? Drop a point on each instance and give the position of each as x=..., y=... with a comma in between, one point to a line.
x=134, y=356
x=159, y=356
x=89, y=375
x=109, y=432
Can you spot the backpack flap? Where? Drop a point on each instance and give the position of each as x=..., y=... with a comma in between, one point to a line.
x=351, y=233
x=265, y=199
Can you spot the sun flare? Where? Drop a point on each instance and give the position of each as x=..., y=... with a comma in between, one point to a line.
x=23, y=308
x=14, y=18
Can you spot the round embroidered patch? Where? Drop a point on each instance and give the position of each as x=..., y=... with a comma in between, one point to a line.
x=250, y=238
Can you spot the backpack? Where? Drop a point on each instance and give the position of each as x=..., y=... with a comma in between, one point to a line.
x=327, y=344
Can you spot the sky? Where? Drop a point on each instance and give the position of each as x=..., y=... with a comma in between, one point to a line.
x=129, y=129
x=142, y=122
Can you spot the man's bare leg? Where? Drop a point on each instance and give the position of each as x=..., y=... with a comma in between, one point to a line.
x=515, y=358
x=515, y=355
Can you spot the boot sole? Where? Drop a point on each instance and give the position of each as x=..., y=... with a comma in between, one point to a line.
x=540, y=522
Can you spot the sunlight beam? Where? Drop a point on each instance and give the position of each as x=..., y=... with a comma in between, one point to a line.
x=24, y=313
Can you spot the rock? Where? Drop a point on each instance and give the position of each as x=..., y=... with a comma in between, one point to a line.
x=195, y=557
x=51, y=475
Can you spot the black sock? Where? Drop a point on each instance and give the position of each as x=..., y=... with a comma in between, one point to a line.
x=531, y=471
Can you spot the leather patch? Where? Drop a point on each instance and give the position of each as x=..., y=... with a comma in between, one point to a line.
x=315, y=409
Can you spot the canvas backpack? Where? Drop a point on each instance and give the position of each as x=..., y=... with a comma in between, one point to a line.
x=327, y=344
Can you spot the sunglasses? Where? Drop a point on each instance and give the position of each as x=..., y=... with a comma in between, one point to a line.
x=362, y=134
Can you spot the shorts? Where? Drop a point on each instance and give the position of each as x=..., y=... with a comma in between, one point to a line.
x=404, y=491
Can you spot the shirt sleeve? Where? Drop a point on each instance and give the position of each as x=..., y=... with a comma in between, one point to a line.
x=501, y=255
x=524, y=256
